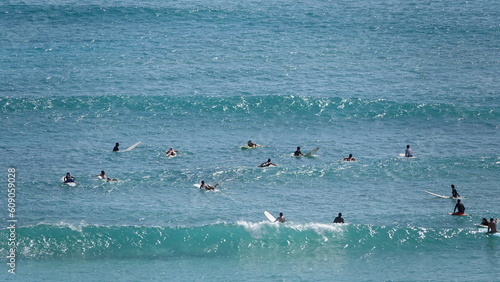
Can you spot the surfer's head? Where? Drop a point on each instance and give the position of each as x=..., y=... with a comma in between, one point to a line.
x=407, y=146
x=281, y=214
x=452, y=186
x=269, y=160
x=458, y=201
x=340, y=214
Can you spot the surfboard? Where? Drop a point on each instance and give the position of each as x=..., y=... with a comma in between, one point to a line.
x=132, y=147
x=403, y=155
x=71, y=184
x=441, y=196
x=494, y=234
x=312, y=152
x=482, y=226
x=270, y=216
x=247, y=147
x=459, y=214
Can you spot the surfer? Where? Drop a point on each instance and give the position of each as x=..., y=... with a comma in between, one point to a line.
x=69, y=178
x=104, y=177
x=281, y=218
x=207, y=187
x=460, y=207
x=408, y=152
x=339, y=219
x=492, y=226
x=171, y=152
x=266, y=164
x=116, y=149
x=454, y=193
x=298, y=153
x=251, y=144
x=349, y=159
x=484, y=222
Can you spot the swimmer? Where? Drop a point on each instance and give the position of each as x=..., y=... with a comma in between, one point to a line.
x=116, y=149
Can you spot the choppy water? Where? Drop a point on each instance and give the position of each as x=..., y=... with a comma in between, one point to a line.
x=205, y=77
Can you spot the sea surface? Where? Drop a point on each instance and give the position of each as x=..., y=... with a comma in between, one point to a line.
x=203, y=77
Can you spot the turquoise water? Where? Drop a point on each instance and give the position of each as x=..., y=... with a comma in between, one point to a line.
x=363, y=78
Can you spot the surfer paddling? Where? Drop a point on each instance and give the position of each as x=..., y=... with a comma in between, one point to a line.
x=281, y=218
x=251, y=144
x=68, y=178
x=171, y=152
x=454, y=193
x=460, y=207
x=349, y=159
x=266, y=164
x=298, y=153
x=104, y=177
x=207, y=187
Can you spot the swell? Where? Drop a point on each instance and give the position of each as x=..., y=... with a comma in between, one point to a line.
x=273, y=105
x=242, y=239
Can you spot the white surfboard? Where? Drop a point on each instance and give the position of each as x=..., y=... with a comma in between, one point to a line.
x=441, y=196
x=71, y=184
x=270, y=216
x=132, y=147
x=312, y=152
x=403, y=155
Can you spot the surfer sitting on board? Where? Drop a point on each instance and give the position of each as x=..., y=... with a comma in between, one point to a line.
x=298, y=153
x=492, y=226
x=281, y=218
x=266, y=164
x=251, y=144
x=171, y=152
x=339, y=219
x=349, y=159
x=104, y=177
x=408, y=152
x=116, y=149
x=69, y=178
x=207, y=187
x=454, y=193
x=460, y=207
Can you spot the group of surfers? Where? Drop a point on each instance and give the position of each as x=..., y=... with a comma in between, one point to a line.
x=460, y=210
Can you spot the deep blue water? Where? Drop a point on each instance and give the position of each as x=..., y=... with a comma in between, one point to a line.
x=363, y=78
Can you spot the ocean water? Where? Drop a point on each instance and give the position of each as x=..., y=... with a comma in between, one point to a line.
x=204, y=77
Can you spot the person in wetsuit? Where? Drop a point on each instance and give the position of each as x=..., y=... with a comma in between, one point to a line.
x=460, y=207
x=454, y=192
x=298, y=153
x=339, y=219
